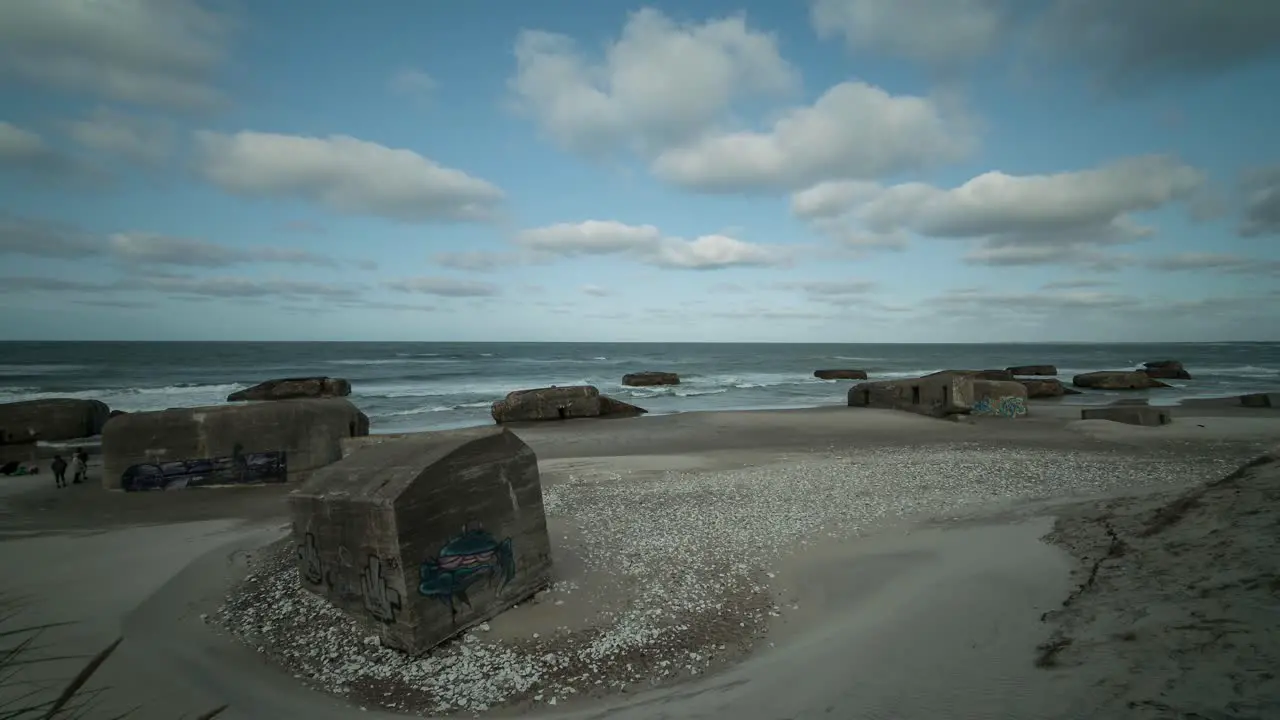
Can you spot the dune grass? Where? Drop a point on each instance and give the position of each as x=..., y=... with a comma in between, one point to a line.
x=22, y=698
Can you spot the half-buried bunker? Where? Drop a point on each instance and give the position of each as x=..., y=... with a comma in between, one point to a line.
x=424, y=536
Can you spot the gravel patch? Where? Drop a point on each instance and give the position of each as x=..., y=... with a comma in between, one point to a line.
x=679, y=565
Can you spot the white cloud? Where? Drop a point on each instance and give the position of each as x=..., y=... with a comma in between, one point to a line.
x=34, y=238
x=595, y=291
x=1076, y=284
x=20, y=236
x=114, y=133
x=152, y=249
x=591, y=237
x=831, y=288
x=933, y=31
x=443, y=287
x=17, y=144
x=154, y=52
x=26, y=151
x=237, y=287
x=413, y=84
x=716, y=252
x=1020, y=220
x=661, y=83
x=345, y=174
x=480, y=260
x=1218, y=262
x=648, y=245
x=1039, y=302
x=854, y=130
x=187, y=287
x=1261, y=202
x=1132, y=44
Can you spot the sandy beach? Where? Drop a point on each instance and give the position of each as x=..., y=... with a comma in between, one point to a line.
x=801, y=563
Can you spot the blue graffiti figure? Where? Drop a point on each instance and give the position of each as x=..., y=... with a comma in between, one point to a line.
x=1013, y=407
x=465, y=560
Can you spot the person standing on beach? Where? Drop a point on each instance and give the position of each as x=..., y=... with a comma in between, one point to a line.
x=59, y=467
x=78, y=468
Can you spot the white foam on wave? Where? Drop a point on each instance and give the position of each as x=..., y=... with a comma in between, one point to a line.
x=427, y=409
x=400, y=360
x=434, y=388
x=1241, y=370
x=135, y=399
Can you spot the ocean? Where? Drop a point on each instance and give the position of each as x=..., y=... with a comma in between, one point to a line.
x=421, y=386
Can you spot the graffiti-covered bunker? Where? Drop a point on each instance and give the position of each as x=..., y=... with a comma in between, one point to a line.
x=227, y=445
x=422, y=537
x=942, y=394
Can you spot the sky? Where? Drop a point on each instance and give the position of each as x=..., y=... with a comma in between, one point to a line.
x=709, y=170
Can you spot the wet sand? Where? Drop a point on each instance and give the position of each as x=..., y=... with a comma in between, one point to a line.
x=935, y=613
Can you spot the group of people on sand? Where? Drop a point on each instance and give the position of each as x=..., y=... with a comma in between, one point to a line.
x=79, y=467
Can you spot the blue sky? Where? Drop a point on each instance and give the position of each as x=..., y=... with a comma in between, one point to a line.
x=836, y=171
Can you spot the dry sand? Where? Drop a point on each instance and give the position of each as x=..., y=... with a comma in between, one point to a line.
x=852, y=563
x=1176, y=609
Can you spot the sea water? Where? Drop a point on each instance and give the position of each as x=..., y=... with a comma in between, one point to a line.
x=418, y=386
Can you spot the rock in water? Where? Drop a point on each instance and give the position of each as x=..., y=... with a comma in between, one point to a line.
x=424, y=537
x=1033, y=370
x=1046, y=388
x=559, y=403
x=650, y=378
x=292, y=388
x=1117, y=380
x=51, y=420
x=840, y=374
x=1166, y=369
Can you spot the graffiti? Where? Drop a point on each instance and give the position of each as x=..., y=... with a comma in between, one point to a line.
x=310, y=564
x=238, y=468
x=465, y=560
x=380, y=599
x=1008, y=407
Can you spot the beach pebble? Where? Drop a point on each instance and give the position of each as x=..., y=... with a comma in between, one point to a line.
x=684, y=561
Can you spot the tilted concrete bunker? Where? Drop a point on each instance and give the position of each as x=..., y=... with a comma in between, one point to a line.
x=255, y=443
x=424, y=536
x=942, y=394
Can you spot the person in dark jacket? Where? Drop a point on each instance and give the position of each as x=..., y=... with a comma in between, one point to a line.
x=59, y=468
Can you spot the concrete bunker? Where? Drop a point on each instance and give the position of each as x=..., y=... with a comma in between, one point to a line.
x=942, y=394
x=423, y=536
x=248, y=444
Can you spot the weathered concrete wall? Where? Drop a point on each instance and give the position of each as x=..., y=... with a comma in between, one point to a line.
x=227, y=444
x=51, y=420
x=938, y=394
x=559, y=403
x=840, y=374
x=1130, y=414
x=999, y=398
x=292, y=388
x=424, y=536
x=360, y=442
x=1033, y=370
x=650, y=378
x=1261, y=400
x=1117, y=380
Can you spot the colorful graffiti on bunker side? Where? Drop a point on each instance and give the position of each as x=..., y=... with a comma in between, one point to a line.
x=1006, y=407
x=238, y=468
x=465, y=560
